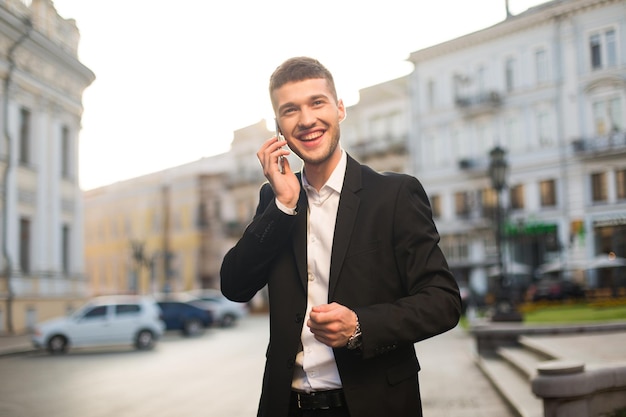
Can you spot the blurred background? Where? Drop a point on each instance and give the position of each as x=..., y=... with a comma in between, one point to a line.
x=130, y=130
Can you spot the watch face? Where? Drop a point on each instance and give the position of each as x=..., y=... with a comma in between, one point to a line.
x=354, y=342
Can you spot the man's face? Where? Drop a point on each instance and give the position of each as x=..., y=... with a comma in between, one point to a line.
x=309, y=117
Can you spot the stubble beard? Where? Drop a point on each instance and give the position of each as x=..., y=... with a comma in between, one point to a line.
x=309, y=160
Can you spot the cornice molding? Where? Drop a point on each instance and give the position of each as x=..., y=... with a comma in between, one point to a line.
x=535, y=16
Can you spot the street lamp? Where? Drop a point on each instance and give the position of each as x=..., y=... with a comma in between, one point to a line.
x=498, y=170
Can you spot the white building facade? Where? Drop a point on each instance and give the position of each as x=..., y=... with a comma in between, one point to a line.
x=549, y=87
x=42, y=223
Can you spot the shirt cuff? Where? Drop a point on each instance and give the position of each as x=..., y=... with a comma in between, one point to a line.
x=285, y=209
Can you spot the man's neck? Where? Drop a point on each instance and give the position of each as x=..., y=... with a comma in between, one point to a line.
x=318, y=174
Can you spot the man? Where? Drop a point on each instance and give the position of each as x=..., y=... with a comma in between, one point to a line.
x=351, y=260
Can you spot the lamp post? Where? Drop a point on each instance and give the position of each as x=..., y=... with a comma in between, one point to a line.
x=498, y=170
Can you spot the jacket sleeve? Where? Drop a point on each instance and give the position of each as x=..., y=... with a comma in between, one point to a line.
x=246, y=266
x=431, y=302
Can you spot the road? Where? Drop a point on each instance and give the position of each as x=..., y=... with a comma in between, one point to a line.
x=217, y=374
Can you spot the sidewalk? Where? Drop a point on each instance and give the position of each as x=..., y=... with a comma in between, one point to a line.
x=14, y=344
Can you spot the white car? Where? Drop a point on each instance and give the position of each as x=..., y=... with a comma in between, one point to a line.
x=104, y=321
x=226, y=313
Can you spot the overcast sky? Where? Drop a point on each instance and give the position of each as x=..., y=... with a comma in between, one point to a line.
x=174, y=79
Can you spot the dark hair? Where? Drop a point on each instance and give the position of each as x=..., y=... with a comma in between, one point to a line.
x=300, y=69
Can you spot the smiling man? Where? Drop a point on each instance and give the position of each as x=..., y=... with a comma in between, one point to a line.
x=351, y=259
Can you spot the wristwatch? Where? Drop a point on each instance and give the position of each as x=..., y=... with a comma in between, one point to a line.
x=355, y=340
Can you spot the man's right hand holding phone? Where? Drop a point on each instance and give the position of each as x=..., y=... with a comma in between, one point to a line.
x=286, y=185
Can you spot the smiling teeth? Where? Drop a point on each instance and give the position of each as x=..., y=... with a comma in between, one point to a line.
x=312, y=136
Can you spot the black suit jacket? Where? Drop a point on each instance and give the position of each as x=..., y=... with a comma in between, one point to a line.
x=386, y=265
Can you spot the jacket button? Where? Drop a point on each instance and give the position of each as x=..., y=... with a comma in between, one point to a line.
x=290, y=363
x=299, y=318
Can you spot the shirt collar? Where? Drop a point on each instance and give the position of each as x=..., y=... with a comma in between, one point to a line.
x=335, y=181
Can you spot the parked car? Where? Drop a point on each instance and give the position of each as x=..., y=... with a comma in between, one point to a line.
x=103, y=321
x=226, y=313
x=553, y=289
x=185, y=315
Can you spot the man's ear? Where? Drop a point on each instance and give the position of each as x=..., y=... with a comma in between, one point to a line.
x=341, y=110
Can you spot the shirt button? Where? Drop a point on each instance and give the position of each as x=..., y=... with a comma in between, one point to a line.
x=311, y=277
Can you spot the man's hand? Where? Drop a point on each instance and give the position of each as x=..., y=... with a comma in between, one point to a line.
x=332, y=324
x=286, y=186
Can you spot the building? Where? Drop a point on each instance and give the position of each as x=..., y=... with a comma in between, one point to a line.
x=547, y=86
x=157, y=232
x=43, y=83
x=376, y=129
x=168, y=231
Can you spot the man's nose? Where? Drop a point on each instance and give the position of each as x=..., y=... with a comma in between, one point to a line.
x=307, y=118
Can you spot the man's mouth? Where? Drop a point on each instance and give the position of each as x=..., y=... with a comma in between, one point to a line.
x=312, y=135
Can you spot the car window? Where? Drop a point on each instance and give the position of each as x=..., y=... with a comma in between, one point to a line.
x=96, y=312
x=166, y=306
x=127, y=309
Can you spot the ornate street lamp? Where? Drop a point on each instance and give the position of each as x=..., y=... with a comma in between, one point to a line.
x=498, y=170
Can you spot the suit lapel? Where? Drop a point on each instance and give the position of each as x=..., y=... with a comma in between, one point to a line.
x=346, y=218
x=300, y=237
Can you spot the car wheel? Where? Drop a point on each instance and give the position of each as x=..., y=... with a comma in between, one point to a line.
x=193, y=327
x=228, y=320
x=57, y=344
x=145, y=340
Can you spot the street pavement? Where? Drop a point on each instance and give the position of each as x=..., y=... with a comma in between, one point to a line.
x=451, y=384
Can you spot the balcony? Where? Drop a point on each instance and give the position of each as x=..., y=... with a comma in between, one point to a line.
x=479, y=104
x=473, y=166
x=371, y=148
x=613, y=144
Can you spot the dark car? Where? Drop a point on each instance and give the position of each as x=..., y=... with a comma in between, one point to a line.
x=226, y=313
x=552, y=289
x=190, y=319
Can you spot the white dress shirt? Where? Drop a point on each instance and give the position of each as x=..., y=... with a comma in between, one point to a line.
x=316, y=369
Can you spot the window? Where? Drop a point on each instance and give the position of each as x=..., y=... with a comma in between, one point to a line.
x=547, y=191
x=24, y=137
x=455, y=248
x=461, y=144
x=509, y=74
x=620, y=183
x=603, y=49
x=431, y=94
x=25, y=245
x=599, y=187
x=544, y=129
x=489, y=201
x=98, y=312
x=480, y=80
x=65, y=249
x=517, y=197
x=462, y=204
x=513, y=134
x=435, y=203
x=65, y=152
x=608, y=116
x=541, y=65
x=595, y=50
x=127, y=309
x=377, y=127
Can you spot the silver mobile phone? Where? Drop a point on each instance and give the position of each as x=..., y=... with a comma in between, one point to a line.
x=281, y=159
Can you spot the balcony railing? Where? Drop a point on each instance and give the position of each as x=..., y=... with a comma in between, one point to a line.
x=611, y=144
x=480, y=103
x=391, y=145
